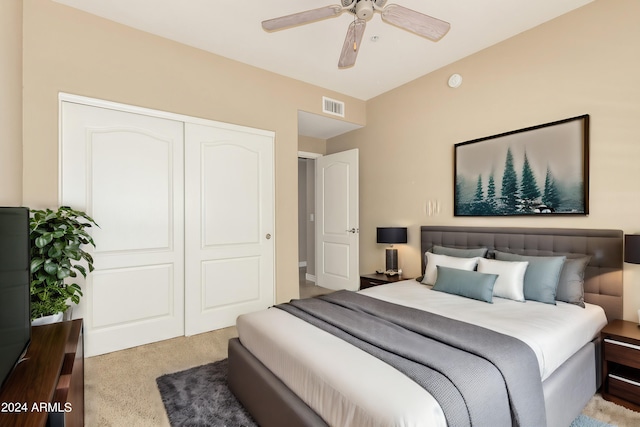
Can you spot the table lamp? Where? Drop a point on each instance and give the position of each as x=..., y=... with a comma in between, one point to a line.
x=632, y=248
x=391, y=235
x=632, y=252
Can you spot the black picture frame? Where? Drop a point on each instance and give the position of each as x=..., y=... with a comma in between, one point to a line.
x=536, y=171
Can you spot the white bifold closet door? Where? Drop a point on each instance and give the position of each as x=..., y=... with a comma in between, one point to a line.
x=127, y=170
x=229, y=228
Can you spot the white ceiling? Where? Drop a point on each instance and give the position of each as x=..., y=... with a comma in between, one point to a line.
x=231, y=28
x=322, y=127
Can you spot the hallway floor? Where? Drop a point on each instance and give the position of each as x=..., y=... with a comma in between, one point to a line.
x=309, y=289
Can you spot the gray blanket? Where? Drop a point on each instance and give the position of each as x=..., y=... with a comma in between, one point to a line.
x=478, y=376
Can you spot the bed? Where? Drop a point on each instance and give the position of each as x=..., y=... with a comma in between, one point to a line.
x=288, y=372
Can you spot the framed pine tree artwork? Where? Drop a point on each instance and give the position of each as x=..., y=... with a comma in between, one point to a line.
x=539, y=170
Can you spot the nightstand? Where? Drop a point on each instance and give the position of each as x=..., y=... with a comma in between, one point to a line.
x=369, y=280
x=621, y=363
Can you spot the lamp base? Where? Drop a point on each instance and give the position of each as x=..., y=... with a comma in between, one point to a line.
x=391, y=259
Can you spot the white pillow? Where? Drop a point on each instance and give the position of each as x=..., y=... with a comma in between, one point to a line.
x=433, y=260
x=510, y=282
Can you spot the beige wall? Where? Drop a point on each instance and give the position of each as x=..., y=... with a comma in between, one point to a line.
x=312, y=145
x=10, y=102
x=66, y=50
x=584, y=62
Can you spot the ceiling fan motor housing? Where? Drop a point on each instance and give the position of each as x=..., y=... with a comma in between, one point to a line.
x=364, y=9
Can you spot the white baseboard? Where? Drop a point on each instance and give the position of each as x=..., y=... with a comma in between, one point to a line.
x=310, y=277
x=302, y=264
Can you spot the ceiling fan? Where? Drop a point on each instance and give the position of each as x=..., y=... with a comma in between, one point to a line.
x=363, y=10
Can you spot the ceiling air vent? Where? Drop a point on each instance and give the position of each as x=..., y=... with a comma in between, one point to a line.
x=331, y=106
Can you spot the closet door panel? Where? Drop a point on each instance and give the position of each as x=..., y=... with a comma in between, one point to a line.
x=241, y=276
x=126, y=171
x=147, y=189
x=230, y=194
x=229, y=243
x=140, y=304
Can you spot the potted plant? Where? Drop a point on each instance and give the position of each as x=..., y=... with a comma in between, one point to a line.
x=57, y=254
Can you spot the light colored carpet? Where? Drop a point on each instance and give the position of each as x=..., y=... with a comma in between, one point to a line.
x=120, y=387
x=611, y=413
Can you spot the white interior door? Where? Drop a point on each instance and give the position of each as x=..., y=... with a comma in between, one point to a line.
x=230, y=227
x=126, y=171
x=337, y=221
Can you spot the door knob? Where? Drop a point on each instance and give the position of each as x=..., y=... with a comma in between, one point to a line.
x=268, y=236
x=353, y=230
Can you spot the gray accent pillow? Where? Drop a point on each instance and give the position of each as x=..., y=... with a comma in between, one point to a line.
x=469, y=284
x=460, y=253
x=571, y=283
x=542, y=275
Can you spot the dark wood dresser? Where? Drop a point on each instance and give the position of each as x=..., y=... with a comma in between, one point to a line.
x=47, y=387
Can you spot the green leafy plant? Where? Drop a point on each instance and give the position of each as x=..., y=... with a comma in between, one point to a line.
x=57, y=254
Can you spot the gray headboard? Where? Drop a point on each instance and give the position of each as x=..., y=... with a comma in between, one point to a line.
x=603, y=276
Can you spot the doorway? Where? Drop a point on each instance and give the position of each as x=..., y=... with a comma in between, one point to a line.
x=328, y=222
x=306, y=226
x=314, y=131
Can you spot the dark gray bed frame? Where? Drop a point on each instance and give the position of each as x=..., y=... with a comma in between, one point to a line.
x=566, y=391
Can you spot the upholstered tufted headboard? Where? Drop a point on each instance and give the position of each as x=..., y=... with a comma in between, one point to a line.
x=603, y=276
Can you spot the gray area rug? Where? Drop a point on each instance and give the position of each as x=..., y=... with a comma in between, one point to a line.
x=200, y=397
x=584, y=421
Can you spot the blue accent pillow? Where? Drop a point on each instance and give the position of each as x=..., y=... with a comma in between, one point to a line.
x=469, y=284
x=542, y=275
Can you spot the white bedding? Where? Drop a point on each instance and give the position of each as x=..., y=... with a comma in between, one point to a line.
x=554, y=332
x=349, y=387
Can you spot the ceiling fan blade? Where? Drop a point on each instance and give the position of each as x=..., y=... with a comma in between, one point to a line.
x=301, y=18
x=416, y=22
x=351, y=44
